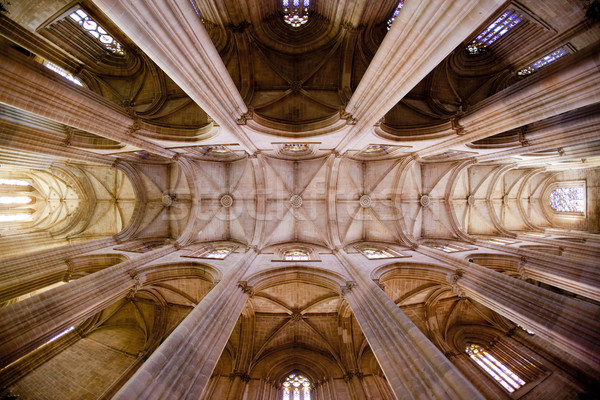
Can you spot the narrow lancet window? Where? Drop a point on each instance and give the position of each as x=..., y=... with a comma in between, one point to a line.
x=92, y=27
x=62, y=72
x=568, y=199
x=494, y=31
x=296, y=13
x=542, y=62
x=396, y=12
x=502, y=374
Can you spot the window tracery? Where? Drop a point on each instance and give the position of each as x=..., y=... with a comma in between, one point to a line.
x=542, y=62
x=297, y=386
x=92, y=27
x=497, y=370
x=218, y=253
x=564, y=199
x=396, y=12
x=500, y=26
x=296, y=14
x=296, y=255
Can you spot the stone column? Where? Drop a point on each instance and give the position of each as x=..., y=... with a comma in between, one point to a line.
x=570, y=324
x=28, y=324
x=182, y=366
x=187, y=55
x=31, y=87
x=413, y=366
x=574, y=275
x=423, y=34
x=25, y=273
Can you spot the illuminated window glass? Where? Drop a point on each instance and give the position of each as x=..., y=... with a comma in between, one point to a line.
x=218, y=252
x=67, y=75
x=14, y=182
x=295, y=147
x=92, y=27
x=377, y=148
x=216, y=149
x=14, y=217
x=504, y=376
x=449, y=247
x=372, y=253
x=500, y=240
x=494, y=31
x=296, y=13
x=396, y=12
x=15, y=199
x=295, y=255
x=568, y=199
x=298, y=386
x=542, y=62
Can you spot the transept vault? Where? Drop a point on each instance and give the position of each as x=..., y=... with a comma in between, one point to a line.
x=299, y=199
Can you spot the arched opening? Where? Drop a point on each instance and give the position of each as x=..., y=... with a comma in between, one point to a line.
x=296, y=387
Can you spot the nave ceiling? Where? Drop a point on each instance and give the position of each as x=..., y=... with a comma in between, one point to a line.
x=226, y=128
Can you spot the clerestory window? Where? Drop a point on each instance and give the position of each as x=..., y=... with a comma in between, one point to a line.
x=296, y=255
x=568, y=199
x=296, y=387
x=396, y=12
x=498, y=28
x=62, y=72
x=295, y=12
x=542, y=62
x=494, y=368
x=92, y=27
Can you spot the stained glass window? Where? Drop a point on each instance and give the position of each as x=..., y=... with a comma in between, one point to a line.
x=216, y=149
x=396, y=12
x=295, y=147
x=568, y=199
x=62, y=72
x=372, y=253
x=295, y=255
x=377, y=148
x=298, y=386
x=542, y=62
x=218, y=252
x=92, y=27
x=494, y=31
x=295, y=14
x=504, y=376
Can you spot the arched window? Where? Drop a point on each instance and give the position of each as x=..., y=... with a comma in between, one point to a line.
x=295, y=14
x=494, y=368
x=218, y=253
x=62, y=72
x=494, y=31
x=396, y=12
x=92, y=27
x=296, y=387
x=568, y=199
x=296, y=255
x=542, y=62
x=12, y=200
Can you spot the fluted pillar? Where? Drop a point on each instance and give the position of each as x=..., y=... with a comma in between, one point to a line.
x=187, y=55
x=423, y=34
x=574, y=275
x=570, y=83
x=413, y=366
x=28, y=324
x=570, y=324
x=182, y=366
x=25, y=273
x=31, y=87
